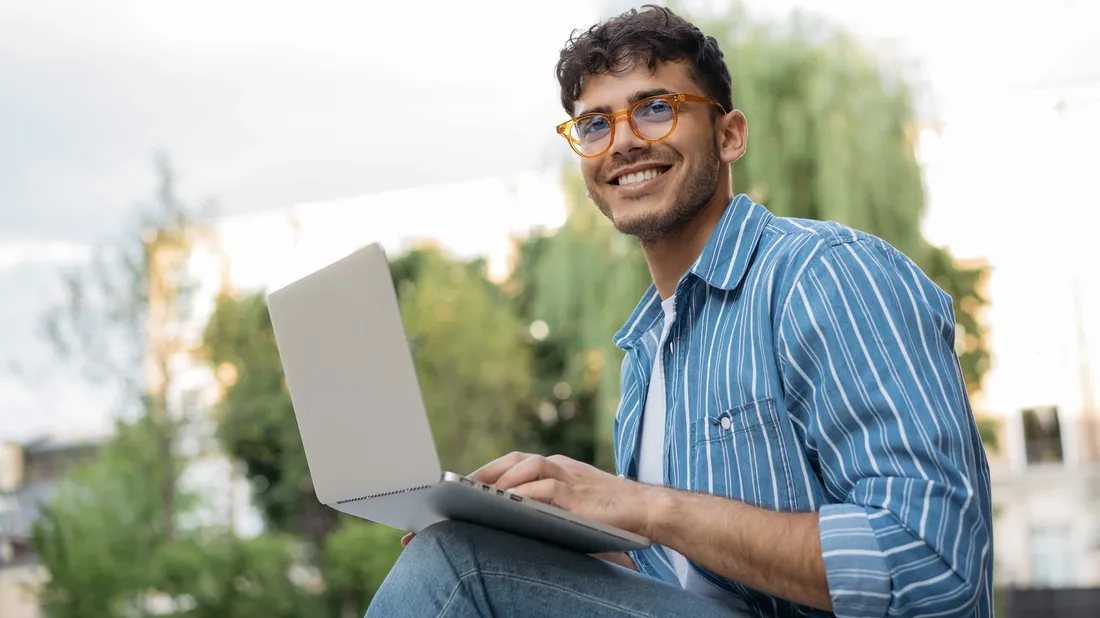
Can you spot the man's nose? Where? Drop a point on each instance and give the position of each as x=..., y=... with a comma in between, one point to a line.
x=625, y=139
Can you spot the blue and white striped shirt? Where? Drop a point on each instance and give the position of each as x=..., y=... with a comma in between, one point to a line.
x=812, y=368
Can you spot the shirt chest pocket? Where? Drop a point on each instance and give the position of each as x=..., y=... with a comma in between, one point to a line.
x=748, y=453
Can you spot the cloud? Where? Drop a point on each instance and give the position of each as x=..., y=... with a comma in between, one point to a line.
x=263, y=106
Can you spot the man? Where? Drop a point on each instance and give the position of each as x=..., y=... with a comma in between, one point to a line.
x=793, y=434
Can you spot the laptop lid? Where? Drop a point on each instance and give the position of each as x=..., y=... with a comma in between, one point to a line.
x=352, y=381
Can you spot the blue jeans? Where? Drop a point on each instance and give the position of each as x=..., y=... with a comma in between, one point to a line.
x=456, y=569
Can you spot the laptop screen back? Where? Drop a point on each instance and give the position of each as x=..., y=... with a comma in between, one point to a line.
x=352, y=381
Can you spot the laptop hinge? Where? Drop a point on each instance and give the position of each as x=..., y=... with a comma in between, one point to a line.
x=387, y=493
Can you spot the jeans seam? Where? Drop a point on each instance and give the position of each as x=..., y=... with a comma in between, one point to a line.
x=451, y=597
x=538, y=582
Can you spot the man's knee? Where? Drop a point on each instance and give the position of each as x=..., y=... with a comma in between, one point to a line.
x=447, y=543
x=428, y=571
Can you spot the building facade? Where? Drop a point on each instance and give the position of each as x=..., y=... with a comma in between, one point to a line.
x=29, y=474
x=1024, y=203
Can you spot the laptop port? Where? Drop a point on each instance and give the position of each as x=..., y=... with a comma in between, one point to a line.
x=515, y=497
x=500, y=492
x=486, y=488
x=467, y=481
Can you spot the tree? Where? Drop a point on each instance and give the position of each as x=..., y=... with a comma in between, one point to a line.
x=123, y=316
x=217, y=575
x=114, y=538
x=256, y=420
x=357, y=557
x=121, y=324
x=837, y=141
x=831, y=137
x=474, y=368
x=101, y=531
x=579, y=283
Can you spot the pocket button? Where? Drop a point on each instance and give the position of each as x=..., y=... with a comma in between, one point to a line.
x=725, y=422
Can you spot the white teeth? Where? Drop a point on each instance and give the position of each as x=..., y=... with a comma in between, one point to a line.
x=629, y=179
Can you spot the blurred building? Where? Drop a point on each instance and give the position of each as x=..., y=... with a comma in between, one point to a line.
x=1012, y=183
x=29, y=474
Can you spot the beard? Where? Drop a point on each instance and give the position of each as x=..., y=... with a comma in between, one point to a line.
x=698, y=187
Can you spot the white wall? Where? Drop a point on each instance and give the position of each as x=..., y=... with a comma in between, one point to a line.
x=1048, y=500
x=15, y=600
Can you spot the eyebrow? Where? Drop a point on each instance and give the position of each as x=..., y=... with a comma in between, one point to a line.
x=631, y=100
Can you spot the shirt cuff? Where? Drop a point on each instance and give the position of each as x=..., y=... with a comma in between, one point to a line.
x=857, y=572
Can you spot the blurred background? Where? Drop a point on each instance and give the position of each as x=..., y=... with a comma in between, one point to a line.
x=163, y=165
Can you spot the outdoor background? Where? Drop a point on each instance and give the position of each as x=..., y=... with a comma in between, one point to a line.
x=163, y=165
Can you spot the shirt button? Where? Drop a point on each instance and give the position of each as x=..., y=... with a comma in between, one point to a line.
x=726, y=423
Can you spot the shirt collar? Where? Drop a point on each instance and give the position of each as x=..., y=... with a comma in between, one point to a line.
x=722, y=264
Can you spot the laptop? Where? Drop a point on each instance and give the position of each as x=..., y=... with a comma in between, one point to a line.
x=359, y=409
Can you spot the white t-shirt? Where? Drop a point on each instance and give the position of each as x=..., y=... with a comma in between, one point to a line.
x=651, y=462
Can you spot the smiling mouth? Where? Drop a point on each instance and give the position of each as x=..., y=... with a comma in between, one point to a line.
x=626, y=180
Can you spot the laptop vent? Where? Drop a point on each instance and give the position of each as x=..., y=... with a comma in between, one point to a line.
x=388, y=493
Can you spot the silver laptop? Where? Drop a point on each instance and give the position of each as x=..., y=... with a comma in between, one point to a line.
x=366, y=434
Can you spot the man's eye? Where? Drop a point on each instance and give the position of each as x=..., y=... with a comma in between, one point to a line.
x=654, y=111
x=592, y=126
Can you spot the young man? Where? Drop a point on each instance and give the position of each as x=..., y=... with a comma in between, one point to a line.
x=793, y=434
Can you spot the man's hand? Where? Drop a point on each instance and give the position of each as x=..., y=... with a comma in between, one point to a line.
x=573, y=486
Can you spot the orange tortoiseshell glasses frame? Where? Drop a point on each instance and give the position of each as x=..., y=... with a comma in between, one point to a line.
x=674, y=100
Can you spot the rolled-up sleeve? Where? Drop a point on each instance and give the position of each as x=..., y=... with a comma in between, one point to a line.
x=866, y=343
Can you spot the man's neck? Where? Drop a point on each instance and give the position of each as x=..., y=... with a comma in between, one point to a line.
x=671, y=257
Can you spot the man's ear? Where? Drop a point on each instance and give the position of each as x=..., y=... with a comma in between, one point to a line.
x=733, y=131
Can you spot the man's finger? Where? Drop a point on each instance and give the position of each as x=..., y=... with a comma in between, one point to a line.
x=405, y=539
x=548, y=491
x=527, y=471
x=563, y=461
x=490, y=472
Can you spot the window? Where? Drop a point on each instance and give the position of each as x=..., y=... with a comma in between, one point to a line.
x=1051, y=553
x=8, y=507
x=1042, y=435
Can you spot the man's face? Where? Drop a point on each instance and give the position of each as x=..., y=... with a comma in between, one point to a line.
x=687, y=162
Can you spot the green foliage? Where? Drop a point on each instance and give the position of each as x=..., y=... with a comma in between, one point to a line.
x=832, y=135
x=473, y=365
x=101, y=531
x=988, y=429
x=101, y=541
x=357, y=557
x=213, y=576
x=582, y=281
x=256, y=420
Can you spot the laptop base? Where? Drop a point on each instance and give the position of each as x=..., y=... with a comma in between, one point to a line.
x=461, y=499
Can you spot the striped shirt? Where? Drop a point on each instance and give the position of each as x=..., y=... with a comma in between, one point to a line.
x=812, y=368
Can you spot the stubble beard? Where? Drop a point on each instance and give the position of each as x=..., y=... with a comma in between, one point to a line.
x=655, y=227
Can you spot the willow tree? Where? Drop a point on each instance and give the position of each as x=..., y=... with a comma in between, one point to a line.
x=831, y=137
x=578, y=284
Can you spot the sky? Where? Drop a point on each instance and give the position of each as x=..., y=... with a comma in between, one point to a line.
x=268, y=105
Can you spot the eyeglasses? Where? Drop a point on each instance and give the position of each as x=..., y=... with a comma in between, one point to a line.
x=652, y=119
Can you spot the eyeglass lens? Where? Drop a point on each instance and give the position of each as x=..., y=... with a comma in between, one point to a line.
x=652, y=120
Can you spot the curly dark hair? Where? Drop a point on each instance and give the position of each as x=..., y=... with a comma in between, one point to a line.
x=650, y=36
